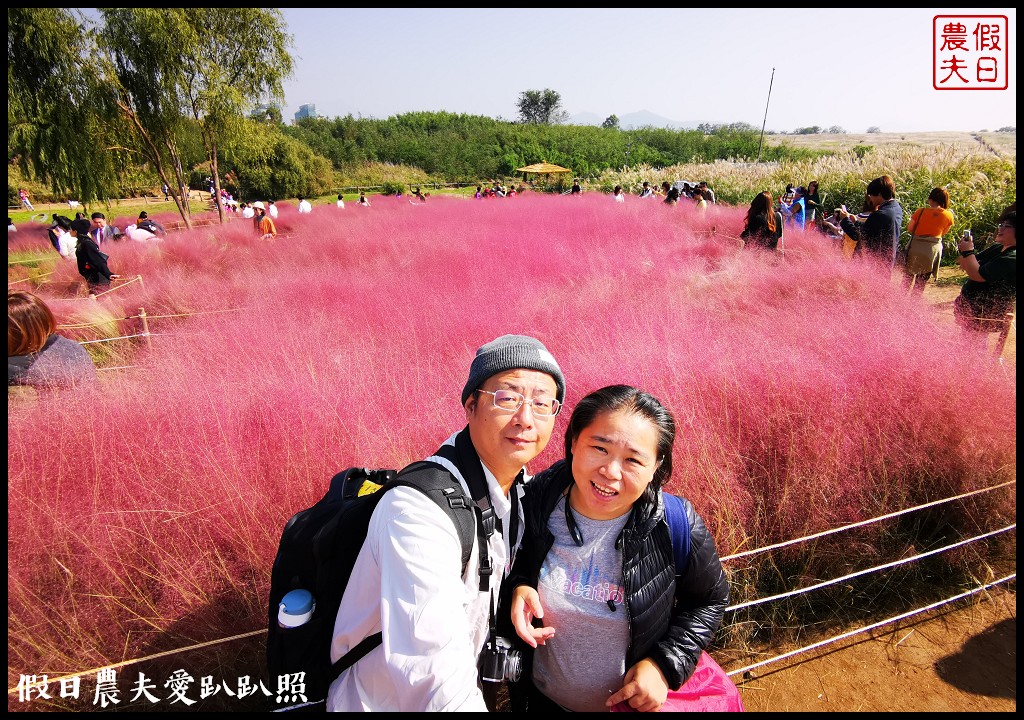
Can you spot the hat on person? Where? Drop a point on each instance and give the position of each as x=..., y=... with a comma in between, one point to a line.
x=801, y=190
x=258, y=204
x=81, y=226
x=512, y=352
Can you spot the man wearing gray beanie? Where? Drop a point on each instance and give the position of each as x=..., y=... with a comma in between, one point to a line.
x=407, y=582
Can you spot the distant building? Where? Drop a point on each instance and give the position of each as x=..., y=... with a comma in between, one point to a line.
x=305, y=111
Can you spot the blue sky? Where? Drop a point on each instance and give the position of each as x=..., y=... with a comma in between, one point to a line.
x=849, y=67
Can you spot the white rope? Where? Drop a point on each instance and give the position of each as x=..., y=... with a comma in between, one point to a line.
x=873, y=626
x=123, y=337
x=869, y=570
x=863, y=522
x=125, y=663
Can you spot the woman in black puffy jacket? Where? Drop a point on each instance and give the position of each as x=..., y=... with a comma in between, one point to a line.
x=598, y=571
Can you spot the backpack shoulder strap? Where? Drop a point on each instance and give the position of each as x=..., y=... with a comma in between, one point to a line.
x=679, y=527
x=442, y=486
x=439, y=483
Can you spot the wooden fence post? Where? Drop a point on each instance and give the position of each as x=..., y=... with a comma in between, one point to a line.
x=145, y=328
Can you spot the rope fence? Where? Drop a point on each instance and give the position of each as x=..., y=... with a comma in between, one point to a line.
x=876, y=568
x=887, y=516
x=28, y=279
x=738, y=606
x=851, y=633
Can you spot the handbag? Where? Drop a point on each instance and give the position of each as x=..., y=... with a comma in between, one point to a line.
x=709, y=689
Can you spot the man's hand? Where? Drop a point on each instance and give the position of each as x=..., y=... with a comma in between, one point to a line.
x=525, y=607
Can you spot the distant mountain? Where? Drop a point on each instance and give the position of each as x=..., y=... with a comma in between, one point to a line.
x=631, y=121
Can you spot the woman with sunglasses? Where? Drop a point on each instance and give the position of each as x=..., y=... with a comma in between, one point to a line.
x=991, y=287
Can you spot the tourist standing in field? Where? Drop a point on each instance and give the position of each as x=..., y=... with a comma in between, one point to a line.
x=576, y=189
x=763, y=224
x=304, y=206
x=407, y=582
x=341, y=202
x=812, y=201
x=101, y=232
x=23, y=197
x=646, y=191
x=265, y=225
x=927, y=226
x=36, y=354
x=878, y=236
x=709, y=194
x=618, y=195
x=796, y=212
x=272, y=209
x=700, y=201
x=362, y=200
x=60, y=226
x=92, y=264
x=601, y=512
x=991, y=287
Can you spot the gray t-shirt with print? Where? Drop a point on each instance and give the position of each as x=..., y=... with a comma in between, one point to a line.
x=584, y=663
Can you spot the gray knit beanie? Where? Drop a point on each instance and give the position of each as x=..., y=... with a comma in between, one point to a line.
x=511, y=352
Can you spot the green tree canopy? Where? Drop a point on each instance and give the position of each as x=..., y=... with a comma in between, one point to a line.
x=55, y=112
x=541, y=107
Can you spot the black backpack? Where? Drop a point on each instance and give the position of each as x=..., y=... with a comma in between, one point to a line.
x=318, y=550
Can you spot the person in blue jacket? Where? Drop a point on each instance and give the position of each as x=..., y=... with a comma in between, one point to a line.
x=878, y=236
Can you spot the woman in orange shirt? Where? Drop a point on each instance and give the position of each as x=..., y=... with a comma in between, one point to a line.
x=926, y=228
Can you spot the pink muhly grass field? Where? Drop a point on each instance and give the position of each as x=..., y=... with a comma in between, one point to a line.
x=809, y=392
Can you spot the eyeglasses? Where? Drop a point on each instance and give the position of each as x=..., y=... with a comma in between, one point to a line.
x=1005, y=225
x=511, y=401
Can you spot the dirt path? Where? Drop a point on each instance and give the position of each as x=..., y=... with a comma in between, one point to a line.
x=950, y=660
x=956, y=661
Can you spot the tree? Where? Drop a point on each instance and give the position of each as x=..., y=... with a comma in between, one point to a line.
x=55, y=115
x=169, y=65
x=228, y=62
x=837, y=130
x=541, y=107
x=874, y=129
x=611, y=122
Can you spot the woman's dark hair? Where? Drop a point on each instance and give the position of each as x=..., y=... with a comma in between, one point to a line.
x=939, y=196
x=1010, y=219
x=761, y=205
x=626, y=397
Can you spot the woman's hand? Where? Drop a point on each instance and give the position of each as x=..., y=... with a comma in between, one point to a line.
x=525, y=607
x=644, y=688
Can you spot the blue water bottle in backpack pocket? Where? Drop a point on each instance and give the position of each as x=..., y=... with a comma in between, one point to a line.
x=296, y=609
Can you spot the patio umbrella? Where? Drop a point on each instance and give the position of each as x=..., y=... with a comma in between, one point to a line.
x=543, y=168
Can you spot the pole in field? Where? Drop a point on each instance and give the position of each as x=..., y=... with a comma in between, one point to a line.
x=759, y=142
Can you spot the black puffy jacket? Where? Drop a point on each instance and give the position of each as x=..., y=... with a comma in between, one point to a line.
x=671, y=620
